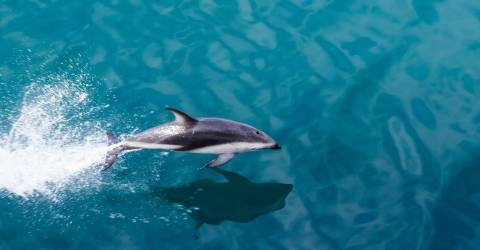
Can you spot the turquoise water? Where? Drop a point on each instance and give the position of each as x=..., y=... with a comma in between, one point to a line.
x=375, y=104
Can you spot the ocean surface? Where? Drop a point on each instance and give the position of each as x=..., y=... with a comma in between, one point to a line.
x=376, y=105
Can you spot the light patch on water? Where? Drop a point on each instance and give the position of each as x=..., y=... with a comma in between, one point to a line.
x=407, y=151
x=51, y=139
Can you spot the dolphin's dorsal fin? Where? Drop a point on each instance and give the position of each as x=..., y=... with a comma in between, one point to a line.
x=181, y=117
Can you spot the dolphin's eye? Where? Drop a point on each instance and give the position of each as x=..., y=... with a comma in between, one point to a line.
x=256, y=132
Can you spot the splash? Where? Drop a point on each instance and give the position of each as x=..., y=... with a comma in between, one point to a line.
x=51, y=140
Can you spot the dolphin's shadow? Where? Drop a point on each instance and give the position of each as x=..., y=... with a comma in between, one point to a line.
x=237, y=200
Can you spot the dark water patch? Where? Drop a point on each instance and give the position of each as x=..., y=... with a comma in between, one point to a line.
x=366, y=82
x=468, y=147
x=476, y=119
x=474, y=46
x=476, y=13
x=339, y=59
x=470, y=84
x=426, y=10
x=371, y=176
x=422, y=113
x=419, y=71
x=455, y=215
x=342, y=159
x=365, y=218
x=457, y=128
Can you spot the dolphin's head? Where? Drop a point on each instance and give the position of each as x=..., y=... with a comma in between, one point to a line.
x=258, y=139
x=239, y=135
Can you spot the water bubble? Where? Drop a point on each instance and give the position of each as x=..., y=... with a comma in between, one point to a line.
x=116, y=216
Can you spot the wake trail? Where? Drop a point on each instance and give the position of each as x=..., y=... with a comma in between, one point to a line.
x=51, y=140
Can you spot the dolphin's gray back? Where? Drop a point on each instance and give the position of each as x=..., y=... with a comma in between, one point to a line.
x=158, y=134
x=205, y=132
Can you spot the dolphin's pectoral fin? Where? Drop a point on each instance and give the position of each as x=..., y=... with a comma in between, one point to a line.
x=221, y=159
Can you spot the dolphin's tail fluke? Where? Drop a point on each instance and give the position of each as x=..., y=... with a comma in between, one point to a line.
x=112, y=155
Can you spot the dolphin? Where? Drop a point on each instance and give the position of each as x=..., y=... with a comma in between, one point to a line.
x=208, y=135
x=238, y=199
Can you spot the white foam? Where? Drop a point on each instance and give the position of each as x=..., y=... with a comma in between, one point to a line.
x=51, y=140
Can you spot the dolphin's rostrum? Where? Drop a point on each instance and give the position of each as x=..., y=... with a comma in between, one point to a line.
x=196, y=135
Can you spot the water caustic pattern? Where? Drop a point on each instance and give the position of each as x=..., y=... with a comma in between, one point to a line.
x=375, y=104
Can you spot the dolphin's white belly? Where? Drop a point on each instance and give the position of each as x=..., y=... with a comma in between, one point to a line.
x=215, y=149
x=233, y=147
